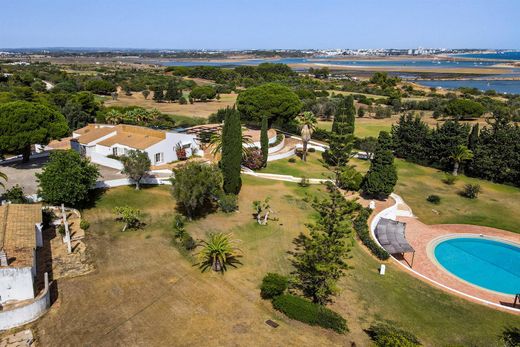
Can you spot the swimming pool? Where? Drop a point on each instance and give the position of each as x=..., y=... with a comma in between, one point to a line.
x=487, y=263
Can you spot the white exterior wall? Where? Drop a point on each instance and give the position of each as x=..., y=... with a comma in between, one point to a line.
x=16, y=283
x=25, y=314
x=98, y=153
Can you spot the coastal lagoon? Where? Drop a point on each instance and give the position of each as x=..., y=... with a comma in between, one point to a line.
x=420, y=63
x=500, y=86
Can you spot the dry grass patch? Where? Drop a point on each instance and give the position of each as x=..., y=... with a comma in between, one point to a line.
x=197, y=109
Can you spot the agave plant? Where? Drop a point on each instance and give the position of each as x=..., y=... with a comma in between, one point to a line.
x=218, y=252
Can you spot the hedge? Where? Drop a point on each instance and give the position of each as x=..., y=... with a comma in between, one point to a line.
x=273, y=285
x=361, y=227
x=385, y=335
x=307, y=312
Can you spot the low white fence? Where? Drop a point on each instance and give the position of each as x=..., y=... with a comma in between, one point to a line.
x=277, y=147
x=279, y=156
x=286, y=178
x=127, y=182
x=28, y=313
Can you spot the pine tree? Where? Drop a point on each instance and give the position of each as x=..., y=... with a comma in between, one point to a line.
x=473, y=137
x=231, y=151
x=158, y=94
x=320, y=260
x=342, y=135
x=173, y=93
x=264, y=140
x=381, y=178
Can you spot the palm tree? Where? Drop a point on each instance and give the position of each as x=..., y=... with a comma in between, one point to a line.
x=3, y=176
x=113, y=117
x=216, y=142
x=460, y=154
x=217, y=253
x=307, y=122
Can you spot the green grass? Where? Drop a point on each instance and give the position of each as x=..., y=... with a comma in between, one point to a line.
x=437, y=318
x=312, y=168
x=364, y=126
x=496, y=206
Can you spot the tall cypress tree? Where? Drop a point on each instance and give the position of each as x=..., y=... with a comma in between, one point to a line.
x=342, y=135
x=473, y=137
x=264, y=140
x=231, y=151
x=158, y=94
x=381, y=178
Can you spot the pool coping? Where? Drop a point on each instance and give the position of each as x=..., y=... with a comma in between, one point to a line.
x=430, y=248
x=392, y=212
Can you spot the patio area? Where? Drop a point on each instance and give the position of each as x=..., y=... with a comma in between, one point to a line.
x=420, y=237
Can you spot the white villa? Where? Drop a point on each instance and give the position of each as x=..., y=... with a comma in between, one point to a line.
x=101, y=141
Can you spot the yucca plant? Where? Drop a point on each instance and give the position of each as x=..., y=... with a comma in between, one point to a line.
x=217, y=253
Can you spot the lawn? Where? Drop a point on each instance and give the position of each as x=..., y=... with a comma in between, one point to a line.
x=145, y=292
x=496, y=206
x=312, y=168
x=366, y=126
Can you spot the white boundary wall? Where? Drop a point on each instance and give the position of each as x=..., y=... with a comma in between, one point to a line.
x=100, y=159
x=277, y=147
x=27, y=313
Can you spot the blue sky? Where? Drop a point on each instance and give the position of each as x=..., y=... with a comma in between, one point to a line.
x=239, y=24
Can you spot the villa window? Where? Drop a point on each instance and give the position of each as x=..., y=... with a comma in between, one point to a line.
x=114, y=151
x=158, y=157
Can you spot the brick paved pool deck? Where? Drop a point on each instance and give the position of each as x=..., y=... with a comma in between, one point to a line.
x=422, y=236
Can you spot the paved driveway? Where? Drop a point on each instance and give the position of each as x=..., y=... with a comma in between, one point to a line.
x=23, y=174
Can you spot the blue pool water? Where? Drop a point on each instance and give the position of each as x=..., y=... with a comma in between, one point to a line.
x=486, y=263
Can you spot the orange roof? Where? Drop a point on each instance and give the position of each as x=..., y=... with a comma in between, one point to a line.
x=91, y=133
x=64, y=143
x=17, y=232
x=134, y=137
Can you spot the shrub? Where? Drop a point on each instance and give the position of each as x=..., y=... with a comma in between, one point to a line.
x=320, y=135
x=434, y=199
x=253, y=160
x=361, y=228
x=61, y=230
x=188, y=242
x=228, y=203
x=471, y=191
x=15, y=195
x=450, y=179
x=510, y=337
x=183, y=100
x=304, y=182
x=385, y=335
x=292, y=160
x=84, y=224
x=307, y=312
x=311, y=150
x=273, y=285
